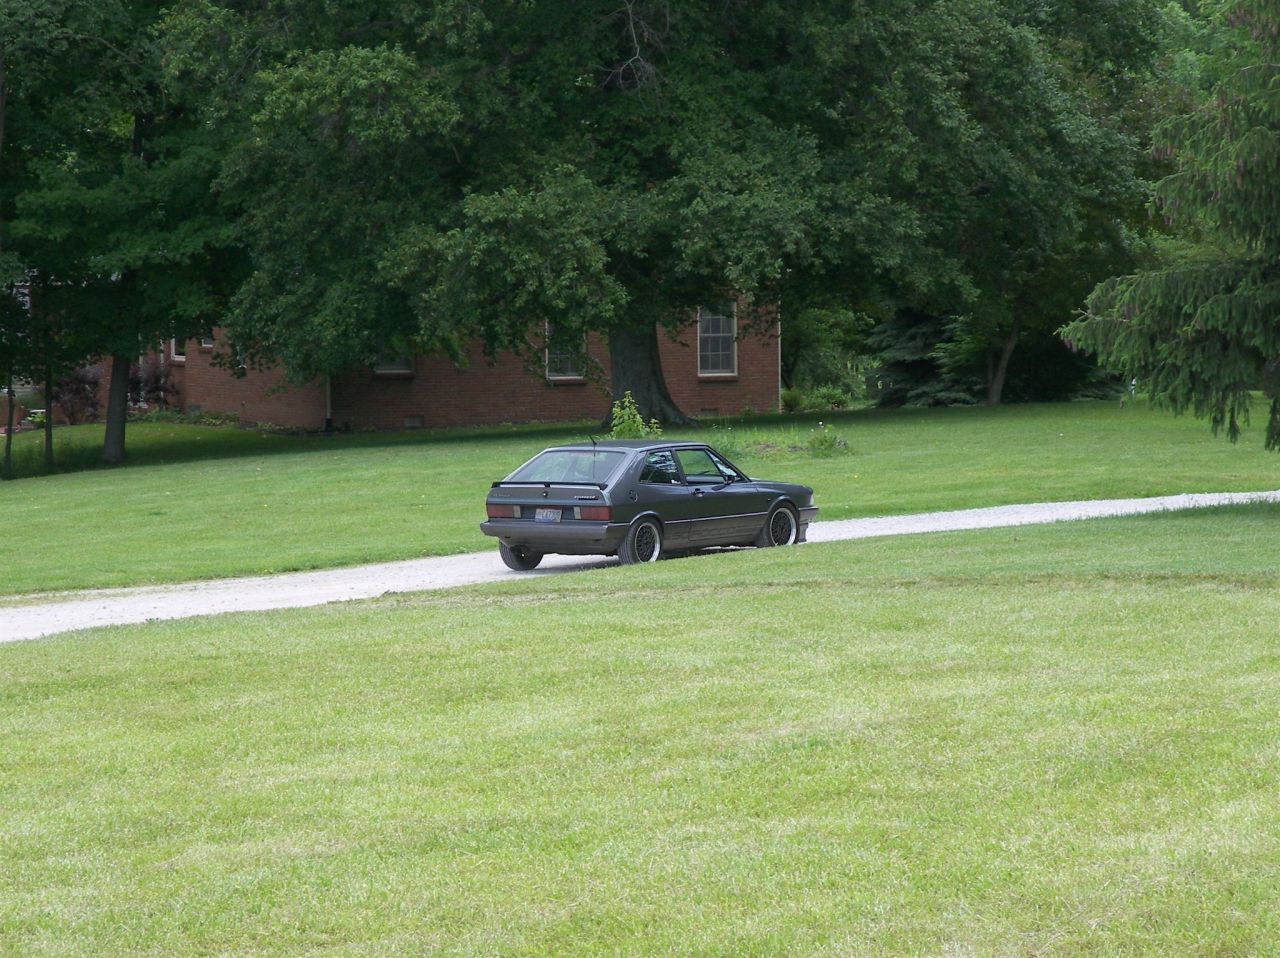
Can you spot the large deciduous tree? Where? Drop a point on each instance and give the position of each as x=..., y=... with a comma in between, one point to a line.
x=418, y=179
x=114, y=213
x=1024, y=177
x=1203, y=330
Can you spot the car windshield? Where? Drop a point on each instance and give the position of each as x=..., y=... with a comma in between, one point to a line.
x=569, y=465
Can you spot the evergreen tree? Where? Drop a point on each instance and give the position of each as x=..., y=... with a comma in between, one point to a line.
x=1203, y=330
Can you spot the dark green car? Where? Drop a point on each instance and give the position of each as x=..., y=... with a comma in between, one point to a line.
x=638, y=500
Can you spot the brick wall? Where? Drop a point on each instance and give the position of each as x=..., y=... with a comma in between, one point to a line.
x=260, y=397
x=755, y=386
x=436, y=393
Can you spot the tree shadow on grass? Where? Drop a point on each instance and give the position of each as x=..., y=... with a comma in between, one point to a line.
x=79, y=448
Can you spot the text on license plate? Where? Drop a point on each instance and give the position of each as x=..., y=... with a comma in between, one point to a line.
x=547, y=515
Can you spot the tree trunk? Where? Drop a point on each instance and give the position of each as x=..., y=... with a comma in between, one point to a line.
x=6, y=468
x=637, y=368
x=996, y=376
x=48, y=418
x=117, y=409
x=4, y=98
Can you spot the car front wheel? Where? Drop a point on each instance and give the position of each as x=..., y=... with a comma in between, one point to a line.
x=780, y=528
x=520, y=558
x=642, y=544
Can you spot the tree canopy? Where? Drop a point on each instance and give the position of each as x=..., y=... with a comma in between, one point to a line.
x=1203, y=329
x=332, y=183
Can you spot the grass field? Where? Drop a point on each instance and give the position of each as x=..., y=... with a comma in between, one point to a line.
x=201, y=502
x=1038, y=741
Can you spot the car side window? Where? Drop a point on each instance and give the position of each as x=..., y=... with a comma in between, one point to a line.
x=726, y=470
x=659, y=467
x=698, y=466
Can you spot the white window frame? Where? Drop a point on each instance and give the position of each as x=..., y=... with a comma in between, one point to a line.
x=732, y=316
x=206, y=342
x=561, y=377
x=177, y=350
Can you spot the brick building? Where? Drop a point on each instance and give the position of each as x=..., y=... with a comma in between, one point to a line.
x=724, y=362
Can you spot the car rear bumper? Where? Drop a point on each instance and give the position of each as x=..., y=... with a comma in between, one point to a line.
x=806, y=516
x=571, y=537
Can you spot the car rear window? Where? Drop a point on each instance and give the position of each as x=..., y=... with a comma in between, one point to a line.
x=569, y=465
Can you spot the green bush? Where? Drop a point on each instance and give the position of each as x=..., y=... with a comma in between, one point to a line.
x=793, y=400
x=629, y=424
x=828, y=397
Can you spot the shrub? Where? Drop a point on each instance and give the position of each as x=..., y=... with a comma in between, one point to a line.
x=828, y=397
x=793, y=400
x=149, y=384
x=76, y=395
x=628, y=423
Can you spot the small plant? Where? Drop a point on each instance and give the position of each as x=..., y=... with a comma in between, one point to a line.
x=629, y=424
x=727, y=441
x=825, y=441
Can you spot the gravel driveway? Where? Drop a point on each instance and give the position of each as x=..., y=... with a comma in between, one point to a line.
x=64, y=612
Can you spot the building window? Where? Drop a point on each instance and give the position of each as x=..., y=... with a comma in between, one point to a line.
x=394, y=366
x=717, y=340
x=565, y=361
x=178, y=350
x=206, y=341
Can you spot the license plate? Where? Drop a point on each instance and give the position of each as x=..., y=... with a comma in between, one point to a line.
x=547, y=515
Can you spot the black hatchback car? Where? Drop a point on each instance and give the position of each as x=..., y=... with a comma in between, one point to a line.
x=639, y=500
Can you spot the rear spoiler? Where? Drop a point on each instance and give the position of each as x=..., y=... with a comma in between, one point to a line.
x=548, y=485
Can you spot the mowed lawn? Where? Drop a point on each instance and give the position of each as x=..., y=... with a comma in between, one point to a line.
x=1058, y=740
x=200, y=502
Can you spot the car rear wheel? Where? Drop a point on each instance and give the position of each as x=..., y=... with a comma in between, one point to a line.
x=520, y=558
x=642, y=544
x=780, y=528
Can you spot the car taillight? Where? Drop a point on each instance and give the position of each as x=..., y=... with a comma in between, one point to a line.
x=499, y=512
x=600, y=513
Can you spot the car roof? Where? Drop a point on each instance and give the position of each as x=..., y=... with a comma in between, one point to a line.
x=622, y=444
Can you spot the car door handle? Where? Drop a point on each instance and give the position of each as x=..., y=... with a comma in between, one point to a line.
x=699, y=492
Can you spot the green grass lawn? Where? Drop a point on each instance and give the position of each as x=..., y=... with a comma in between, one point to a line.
x=199, y=502
x=1046, y=741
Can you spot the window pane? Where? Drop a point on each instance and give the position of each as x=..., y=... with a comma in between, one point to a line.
x=659, y=467
x=569, y=465
x=717, y=327
x=565, y=360
x=697, y=466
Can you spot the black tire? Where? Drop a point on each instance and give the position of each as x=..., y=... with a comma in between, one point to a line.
x=520, y=558
x=781, y=528
x=642, y=544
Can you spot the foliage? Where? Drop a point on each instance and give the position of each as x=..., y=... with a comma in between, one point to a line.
x=149, y=383
x=192, y=417
x=111, y=212
x=1203, y=330
x=76, y=395
x=792, y=400
x=825, y=441
x=629, y=424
